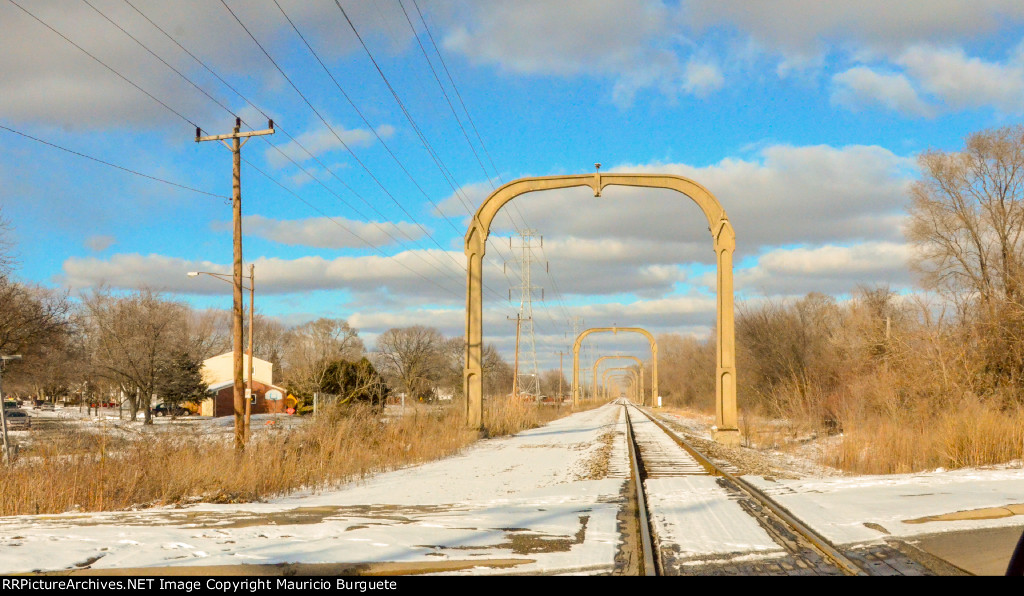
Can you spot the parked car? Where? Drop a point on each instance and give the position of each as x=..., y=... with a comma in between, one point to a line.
x=18, y=420
x=165, y=410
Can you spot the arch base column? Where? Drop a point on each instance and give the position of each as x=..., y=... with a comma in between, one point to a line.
x=726, y=436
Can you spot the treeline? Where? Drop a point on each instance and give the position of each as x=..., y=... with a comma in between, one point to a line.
x=142, y=347
x=912, y=381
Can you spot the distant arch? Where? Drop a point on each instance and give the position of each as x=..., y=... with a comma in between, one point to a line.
x=617, y=357
x=624, y=372
x=614, y=330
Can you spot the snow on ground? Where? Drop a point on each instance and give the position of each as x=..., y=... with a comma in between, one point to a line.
x=524, y=497
x=699, y=516
x=839, y=508
x=538, y=497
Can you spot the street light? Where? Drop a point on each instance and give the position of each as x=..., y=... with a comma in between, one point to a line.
x=252, y=309
x=3, y=413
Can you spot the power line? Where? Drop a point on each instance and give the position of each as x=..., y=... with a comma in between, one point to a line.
x=290, y=138
x=423, y=139
x=360, y=113
x=336, y=135
x=446, y=174
x=366, y=121
x=114, y=165
x=469, y=116
x=329, y=190
x=166, y=107
x=104, y=64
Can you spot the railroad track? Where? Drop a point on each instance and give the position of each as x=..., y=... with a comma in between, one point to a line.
x=683, y=498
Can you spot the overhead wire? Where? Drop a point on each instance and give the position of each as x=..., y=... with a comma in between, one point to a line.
x=114, y=165
x=336, y=135
x=292, y=139
x=469, y=117
x=442, y=168
x=230, y=111
x=166, y=106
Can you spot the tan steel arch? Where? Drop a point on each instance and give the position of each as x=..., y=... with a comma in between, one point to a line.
x=723, y=242
x=614, y=330
x=633, y=375
x=638, y=363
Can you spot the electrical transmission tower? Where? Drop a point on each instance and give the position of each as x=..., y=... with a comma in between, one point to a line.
x=528, y=375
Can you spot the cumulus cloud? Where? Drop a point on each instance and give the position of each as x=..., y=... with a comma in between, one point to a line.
x=966, y=82
x=327, y=232
x=783, y=194
x=829, y=268
x=320, y=140
x=861, y=87
x=798, y=27
x=99, y=243
x=702, y=78
x=47, y=80
x=634, y=42
x=426, y=274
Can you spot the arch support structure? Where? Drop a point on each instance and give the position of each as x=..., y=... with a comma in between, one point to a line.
x=634, y=358
x=624, y=372
x=576, y=389
x=723, y=243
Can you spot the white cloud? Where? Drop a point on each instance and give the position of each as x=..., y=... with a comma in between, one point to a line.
x=783, y=194
x=829, y=268
x=409, y=273
x=99, y=243
x=320, y=140
x=966, y=82
x=633, y=42
x=47, y=80
x=702, y=78
x=861, y=87
x=332, y=232
x=800, y=28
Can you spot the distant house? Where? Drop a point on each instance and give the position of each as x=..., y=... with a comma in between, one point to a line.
x=218, y=374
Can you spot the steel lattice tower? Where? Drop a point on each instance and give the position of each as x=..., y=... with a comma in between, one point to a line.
x=528, y=379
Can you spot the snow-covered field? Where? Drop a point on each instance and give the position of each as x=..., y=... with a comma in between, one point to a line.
x=539, y=498
x=524, y=497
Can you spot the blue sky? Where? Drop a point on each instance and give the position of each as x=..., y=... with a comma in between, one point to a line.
x=803, y=118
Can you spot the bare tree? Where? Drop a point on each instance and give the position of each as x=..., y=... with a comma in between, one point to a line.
x=132, y=338
x=413, y=357
x=686, y=369
x=271, y=340
x=311, y=348
x=6, y=247
x=967, y=224
x=30, y=316
x=496, y=371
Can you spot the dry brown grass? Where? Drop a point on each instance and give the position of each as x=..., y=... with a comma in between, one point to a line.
x=98, y=472
x=95, y=473
x=972, y=433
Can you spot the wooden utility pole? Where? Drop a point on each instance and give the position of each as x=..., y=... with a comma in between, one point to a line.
x=252, y=312
x=236, y=314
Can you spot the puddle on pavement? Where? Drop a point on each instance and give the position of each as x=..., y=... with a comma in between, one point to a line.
x=972, y=514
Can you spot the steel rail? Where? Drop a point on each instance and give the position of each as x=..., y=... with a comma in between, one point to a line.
x=650, y=565
x=817, y=541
